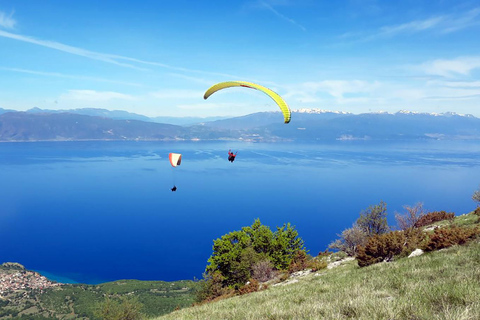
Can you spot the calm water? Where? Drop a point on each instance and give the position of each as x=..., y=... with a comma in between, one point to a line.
x=100, y=211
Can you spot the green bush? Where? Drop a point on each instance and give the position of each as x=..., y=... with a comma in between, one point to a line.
x=477, y=211
x=127, y=308
x=432, y=217
x=317, y=264
x=373, y=220
x=381, y=248
x=449, y=236
x=235, y=254
x=299, y=262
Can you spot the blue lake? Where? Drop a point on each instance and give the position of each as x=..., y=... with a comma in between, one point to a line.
x=92, y=212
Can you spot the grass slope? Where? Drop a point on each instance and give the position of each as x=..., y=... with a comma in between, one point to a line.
x=439, y=285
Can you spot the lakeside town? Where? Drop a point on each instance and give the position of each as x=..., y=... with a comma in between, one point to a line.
x=14, y=278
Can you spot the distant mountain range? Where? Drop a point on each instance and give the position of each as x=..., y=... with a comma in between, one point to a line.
x=306, y=125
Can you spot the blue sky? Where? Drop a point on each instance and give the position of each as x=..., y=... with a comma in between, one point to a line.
x=158, y=57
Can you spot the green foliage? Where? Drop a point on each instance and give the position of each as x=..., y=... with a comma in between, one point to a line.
x=127, y=308
x=476, y=196
x=433, y=217
x=477, y=211
x=236, y=253
x=317, y=264
x=373, y=220
x=449, y=236
x=349, y=241
x=212, y=287
x=299, y=262
x=263, y=270
x=250, y=287
x=381, y=248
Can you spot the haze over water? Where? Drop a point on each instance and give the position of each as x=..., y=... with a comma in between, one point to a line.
x=100, y=211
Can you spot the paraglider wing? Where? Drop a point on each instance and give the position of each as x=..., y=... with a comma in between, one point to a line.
x=278, y=100
x=175, y=159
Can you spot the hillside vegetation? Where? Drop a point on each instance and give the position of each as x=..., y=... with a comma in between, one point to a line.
x=441, y=284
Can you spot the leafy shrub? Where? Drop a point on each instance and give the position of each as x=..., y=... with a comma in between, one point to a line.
x=325, y=253
x=381, y=248
x=211, y=287
x=477, y=211
x=128, y=308
x=373, y=220
x=449, y=236
x=299, y=262
x=349, y=241
x=263, y=271
x=316, y=264
x=432, y=217
x=251, y=286
x=476, y=196
x=235, y=254
x=340, y=255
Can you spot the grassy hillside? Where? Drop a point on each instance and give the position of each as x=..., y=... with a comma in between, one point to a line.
x=442, y=284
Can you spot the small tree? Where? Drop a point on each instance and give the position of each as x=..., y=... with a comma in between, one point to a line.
x=373, y=220
x=476, y=196
x=350, y=240
x=410, y=218
x=235, y=254
x=127, y=308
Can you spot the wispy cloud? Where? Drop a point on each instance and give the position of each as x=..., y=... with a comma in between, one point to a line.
x=451, y=68
x=178, y=93
x=6, y=20
x=442, y=24
x=96, y=96
x=67, y=76
x=66, y=48
x=338, y=89
x=281, y=16
x=105, y=57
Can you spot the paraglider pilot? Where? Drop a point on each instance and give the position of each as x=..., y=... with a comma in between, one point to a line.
x=231, y=155
x=174, y=188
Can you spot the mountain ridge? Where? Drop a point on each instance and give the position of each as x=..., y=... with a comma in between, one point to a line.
x=306, y=125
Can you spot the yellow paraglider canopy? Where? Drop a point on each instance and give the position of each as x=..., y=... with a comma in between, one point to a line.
x=228, y=84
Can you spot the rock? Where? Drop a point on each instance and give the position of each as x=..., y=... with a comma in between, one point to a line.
x=416, y=253
x=337, y=263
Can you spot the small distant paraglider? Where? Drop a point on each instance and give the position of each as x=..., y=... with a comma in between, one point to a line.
x=175, y=160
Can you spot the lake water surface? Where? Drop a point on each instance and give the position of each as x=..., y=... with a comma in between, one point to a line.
x=99, y=211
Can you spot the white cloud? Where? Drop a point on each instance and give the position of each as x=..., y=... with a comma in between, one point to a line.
x=281, y=16
x=95, y=96
x=451, y=68
x=177, y=93
x=338, y=89
x=413, y=26
x=6, y=21
x=67, y=76
x=455, y=23
x=105, y=57
x=446, y=23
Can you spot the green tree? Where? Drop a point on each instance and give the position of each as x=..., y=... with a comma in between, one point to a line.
x=349, y=241
x=127, y=308
x=476, y=196
x=235, y=254
x=373, y=220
